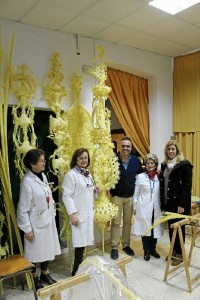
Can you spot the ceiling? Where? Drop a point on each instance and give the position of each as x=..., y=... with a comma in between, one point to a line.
x=132, y=23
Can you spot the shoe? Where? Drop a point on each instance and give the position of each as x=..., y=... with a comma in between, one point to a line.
x=146, y=255
x=73, y=273
x=46, y=278
x=173, y=256
x=177, y=260
x=154, y=253
x=114, y=254
x=37, y=283
x=75, y=268
x=128, y=251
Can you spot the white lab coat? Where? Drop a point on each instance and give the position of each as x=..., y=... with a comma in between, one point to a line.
x=78, y=197
x=34, y=215
x=145, y=201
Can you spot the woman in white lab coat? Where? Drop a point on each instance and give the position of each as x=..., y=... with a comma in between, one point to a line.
x=146, y=202
x=36, y=217
x=78, y=198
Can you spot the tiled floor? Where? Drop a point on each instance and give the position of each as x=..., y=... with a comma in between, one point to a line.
x=144, y=278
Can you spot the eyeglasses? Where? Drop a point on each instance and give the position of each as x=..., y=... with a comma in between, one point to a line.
x=150, y=163
x=125, y=146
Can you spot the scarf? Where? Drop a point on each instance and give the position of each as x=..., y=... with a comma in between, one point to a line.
x=83, y=171
x=152, y=175
x=171, y=163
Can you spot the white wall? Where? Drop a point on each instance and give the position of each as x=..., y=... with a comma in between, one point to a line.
x=34, y=46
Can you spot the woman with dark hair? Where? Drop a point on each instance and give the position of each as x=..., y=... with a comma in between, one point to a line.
x=147, y=208
x=36, y=217
x=176, y=188
x=78, y=198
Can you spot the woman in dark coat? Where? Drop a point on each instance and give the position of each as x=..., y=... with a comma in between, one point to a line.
x=176, y=188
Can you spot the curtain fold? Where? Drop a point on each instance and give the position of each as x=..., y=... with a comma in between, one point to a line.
x=187, y=93
x=186, y=120
x=129, y=99
x=189, y=143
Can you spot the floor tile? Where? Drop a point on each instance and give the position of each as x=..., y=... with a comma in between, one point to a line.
x=143, y=278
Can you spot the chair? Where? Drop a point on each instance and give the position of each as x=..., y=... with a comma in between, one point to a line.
x=13, y=266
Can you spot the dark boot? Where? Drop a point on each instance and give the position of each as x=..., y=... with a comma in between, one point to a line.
x=155, y=254
x=146, y=255
x=37, y=282
x=78, y=258
x=75, y=268
x=177, y=260
x=46, y=278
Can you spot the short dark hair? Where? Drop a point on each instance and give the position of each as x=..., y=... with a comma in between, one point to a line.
x=78, y=153
x=32, y=157
x=126, y=138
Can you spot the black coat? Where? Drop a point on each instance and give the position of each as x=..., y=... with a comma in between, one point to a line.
x=179, y=187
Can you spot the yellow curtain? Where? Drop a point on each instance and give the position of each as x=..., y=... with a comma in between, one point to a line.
x=189, y=143
x=187, y=93
x=186, y=121
x=129, y=99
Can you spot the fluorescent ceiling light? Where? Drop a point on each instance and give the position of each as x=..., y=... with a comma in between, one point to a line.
x=173, y=6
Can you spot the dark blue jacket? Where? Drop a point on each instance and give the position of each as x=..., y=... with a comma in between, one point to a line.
x=126, y=184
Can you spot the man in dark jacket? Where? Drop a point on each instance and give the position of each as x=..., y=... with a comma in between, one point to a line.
x=121, y=196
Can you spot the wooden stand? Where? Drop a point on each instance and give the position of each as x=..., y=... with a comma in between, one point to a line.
x=186, y=260
x=54, y=291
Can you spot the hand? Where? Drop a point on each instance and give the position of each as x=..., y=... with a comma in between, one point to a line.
x=29, y=236
x=108, y=226
x=97, y=190
x=133, y=219
x=181, y=210
x=74, y=219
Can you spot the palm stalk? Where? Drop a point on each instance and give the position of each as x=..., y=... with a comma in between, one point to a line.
x=4, y=162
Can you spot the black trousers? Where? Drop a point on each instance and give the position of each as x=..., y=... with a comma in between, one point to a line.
x=78, y=258
x=149, y=242
x=43, y=266
x=177, y=245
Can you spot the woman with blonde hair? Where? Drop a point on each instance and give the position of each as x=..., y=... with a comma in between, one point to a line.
x=175, y=187
x=146, y=202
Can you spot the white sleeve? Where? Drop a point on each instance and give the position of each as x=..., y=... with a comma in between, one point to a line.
x=24, y=207
x=136, y=192
x=68, y=193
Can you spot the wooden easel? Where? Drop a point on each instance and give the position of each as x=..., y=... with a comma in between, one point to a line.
x=186, y=260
